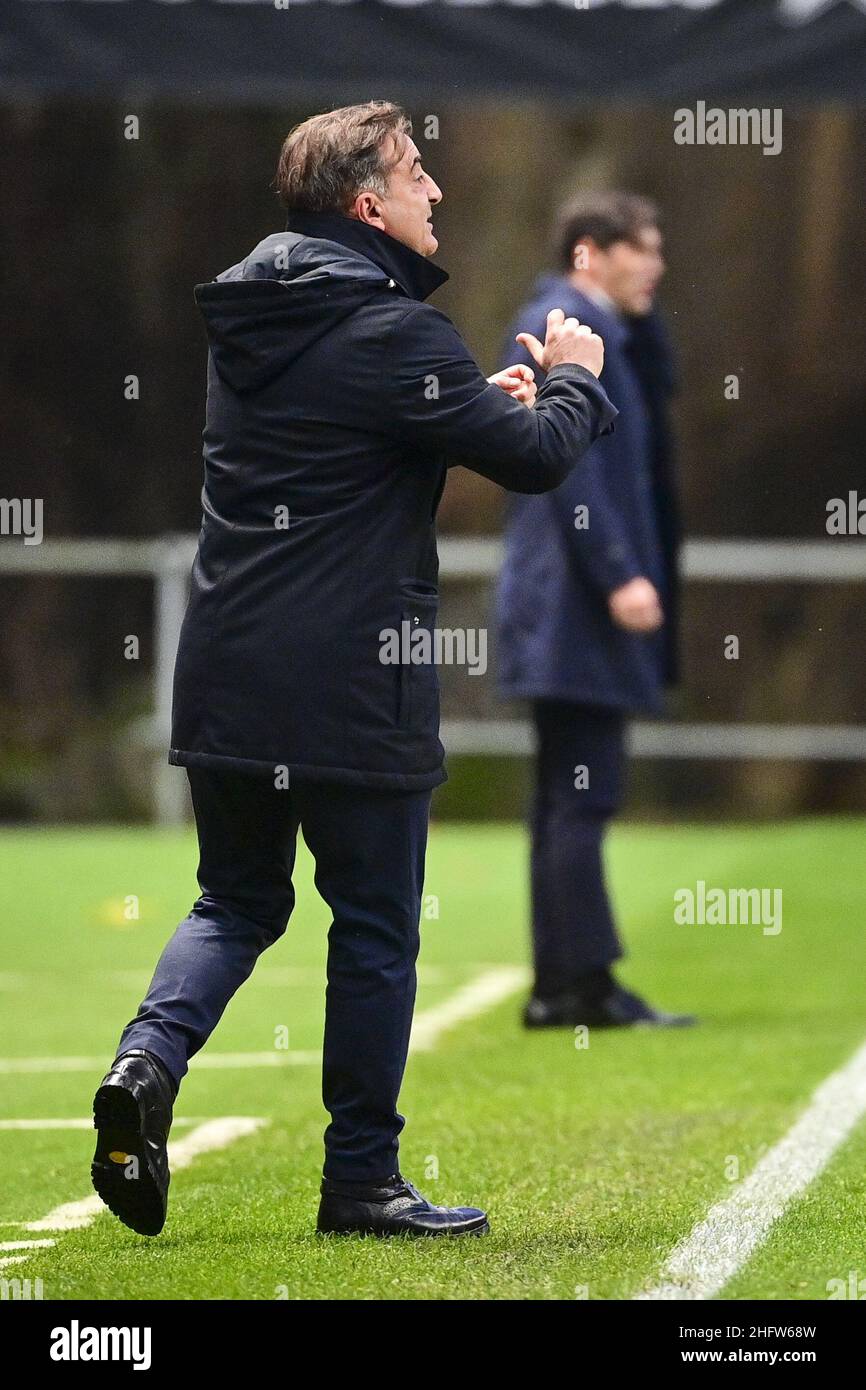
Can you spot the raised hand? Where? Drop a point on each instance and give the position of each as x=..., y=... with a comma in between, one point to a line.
x=566, y=340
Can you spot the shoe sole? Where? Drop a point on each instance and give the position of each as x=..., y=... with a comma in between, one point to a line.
x=369, y=1231
x=134, y=1199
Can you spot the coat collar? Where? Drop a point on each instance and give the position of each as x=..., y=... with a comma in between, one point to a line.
x=415, y=275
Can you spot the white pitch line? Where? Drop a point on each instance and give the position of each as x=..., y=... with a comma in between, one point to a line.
x=207, y=1061
x=213, y=1134
x=86, y=1123
x=215, y=1061
x=24, y=1244
x=488, y=989
x=718, y=1247
x=18, y=1065
x=271, y=977
x=473, y=999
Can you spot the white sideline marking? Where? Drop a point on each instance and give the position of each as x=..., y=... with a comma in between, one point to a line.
x=12, y=1260
x=212, y=1061
x=473, y=999
x=217, y=1060
x=719, y=1246
x=213, y=1134
x=269, y=977
x=24, y=1244
x=86, y=1123
x=490, y=988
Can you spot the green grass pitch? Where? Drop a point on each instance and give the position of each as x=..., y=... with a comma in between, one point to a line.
x=593, y=1162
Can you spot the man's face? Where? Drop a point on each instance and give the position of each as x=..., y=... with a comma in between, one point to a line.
x=405, y=210
x=630, y=271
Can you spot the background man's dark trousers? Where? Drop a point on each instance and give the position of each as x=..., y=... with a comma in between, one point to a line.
x=573, y=929
x=369, y=849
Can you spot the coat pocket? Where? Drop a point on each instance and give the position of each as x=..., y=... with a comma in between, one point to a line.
x=418, y=682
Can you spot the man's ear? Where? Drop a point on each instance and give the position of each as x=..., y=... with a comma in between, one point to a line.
x=367, y=208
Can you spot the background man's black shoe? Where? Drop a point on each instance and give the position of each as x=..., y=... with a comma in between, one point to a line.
x=618, y=1009
x=393, y=1208
x=132, y=1113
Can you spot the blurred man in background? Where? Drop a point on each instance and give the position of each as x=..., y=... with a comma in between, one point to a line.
x=586, y=604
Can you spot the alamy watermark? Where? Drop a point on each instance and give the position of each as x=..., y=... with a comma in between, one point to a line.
x=738, y=126
x=23, y=1290
x=703, y=906
x=853, y=1287
x=22, y=516
x=414, y=645
x=846, y=516
x=77, y=1343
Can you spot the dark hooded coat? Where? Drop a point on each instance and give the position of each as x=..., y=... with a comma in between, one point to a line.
x=336, y=401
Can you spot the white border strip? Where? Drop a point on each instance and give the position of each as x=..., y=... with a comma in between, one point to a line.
x=86, y=1123
x=206, y=1061
x=214, y=1134
x=473, y=999
x=514, y=738
x=488, y=989
x=720, y=1245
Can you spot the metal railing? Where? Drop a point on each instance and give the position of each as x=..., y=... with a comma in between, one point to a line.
x=167, y=561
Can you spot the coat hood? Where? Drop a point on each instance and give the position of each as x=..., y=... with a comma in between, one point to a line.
x=297, y=285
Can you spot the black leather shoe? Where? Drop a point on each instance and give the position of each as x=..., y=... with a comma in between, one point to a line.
x=392, y=1208
x=618, y=1009
x=132, y=1113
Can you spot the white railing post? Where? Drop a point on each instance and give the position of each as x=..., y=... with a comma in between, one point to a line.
x=167, y=560
x=171, y=577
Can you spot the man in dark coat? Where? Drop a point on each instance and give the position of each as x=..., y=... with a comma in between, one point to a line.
x=336, y=401
x=586, y=605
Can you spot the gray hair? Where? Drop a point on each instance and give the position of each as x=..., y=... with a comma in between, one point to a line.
x=330, y=158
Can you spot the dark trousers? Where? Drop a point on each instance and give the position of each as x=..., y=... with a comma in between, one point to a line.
x=369, y=849
x=579, y=786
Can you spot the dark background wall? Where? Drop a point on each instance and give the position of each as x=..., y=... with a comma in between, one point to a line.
x=104, y=238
